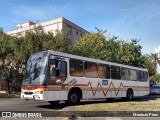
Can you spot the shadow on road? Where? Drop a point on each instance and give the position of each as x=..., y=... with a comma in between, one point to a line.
x=62, y=105
x=147, y=98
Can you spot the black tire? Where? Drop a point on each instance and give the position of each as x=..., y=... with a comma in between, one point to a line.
x=129, y=95
x=54, y=103
x=73, y=98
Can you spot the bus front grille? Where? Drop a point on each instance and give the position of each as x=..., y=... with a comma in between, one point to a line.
x=28, y=93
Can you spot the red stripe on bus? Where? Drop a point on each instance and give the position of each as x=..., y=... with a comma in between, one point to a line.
x=23, y=87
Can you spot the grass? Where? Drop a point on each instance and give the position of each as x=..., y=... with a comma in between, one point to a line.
x=120, y=106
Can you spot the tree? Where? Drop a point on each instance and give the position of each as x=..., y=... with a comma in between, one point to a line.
x=91, y=45
x=5, y=46
x=59, y=42
x=9, y=74
x=150, y=65
x=15, y=50
x=154, y=58
x=97, y=45
x=131, y=53
x=156, y=78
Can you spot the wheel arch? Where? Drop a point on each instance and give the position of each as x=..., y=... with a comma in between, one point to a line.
x=129, y=94
x=76, y=89
x=130, y=89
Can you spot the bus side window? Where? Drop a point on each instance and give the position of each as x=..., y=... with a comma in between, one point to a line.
x=125, y=73
x=103, y=71
x=76, y=68
x=91, y=70
x=133, y=75
x=115, y=72
x=141, y=76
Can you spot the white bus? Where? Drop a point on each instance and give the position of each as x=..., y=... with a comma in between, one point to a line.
x=55, y=76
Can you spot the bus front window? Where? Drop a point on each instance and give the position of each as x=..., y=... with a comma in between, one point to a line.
x=35, y=72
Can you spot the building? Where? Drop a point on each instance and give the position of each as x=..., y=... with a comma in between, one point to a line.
x=157, y=51
x=59, y=24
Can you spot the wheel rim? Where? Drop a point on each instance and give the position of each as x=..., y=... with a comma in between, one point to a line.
x=129, y=95
x=74, y=98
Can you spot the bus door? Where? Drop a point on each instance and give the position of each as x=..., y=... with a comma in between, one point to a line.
x=57, y=76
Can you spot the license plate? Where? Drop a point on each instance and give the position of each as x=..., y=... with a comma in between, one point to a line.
x=27, y=97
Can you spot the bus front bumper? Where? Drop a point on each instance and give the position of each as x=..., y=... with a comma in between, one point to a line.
x=32, y=97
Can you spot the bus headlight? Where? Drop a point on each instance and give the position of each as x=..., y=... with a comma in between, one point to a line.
x=38, y=92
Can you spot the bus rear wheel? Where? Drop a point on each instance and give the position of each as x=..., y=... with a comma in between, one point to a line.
x=54, y=103
x=73, y=98
x=129, y=95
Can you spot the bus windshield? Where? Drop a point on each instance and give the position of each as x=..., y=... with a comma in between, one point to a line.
x=35, y=70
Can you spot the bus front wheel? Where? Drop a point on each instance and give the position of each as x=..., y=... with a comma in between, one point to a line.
x=73, y=98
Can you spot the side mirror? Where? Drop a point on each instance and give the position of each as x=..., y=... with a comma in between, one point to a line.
x=58, y=81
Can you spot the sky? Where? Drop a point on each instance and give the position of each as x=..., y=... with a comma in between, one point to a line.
x=128, y=19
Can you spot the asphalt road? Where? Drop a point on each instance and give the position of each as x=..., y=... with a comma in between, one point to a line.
x=20, y=105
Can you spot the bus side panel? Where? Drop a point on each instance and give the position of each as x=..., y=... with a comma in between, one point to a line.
x=48, y=96
x=78, y=82
x=143, y=88
x=53, y=95
x=86, y=90
x=134, y=85
x=105, y=88
x=126, y=85
x=116, y=88
x=64, y=95
x=45, y=96
x=93, y=87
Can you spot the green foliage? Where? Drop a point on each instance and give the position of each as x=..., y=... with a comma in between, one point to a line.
x=91, y=45
x=16, y=50
x=154, y=59
x=150, y=64
x=5, y=46
x=97, y=45
x=8, y=74
x=156, y=77
x=59, y=42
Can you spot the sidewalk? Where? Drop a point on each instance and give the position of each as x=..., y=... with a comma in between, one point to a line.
x=12, y=95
